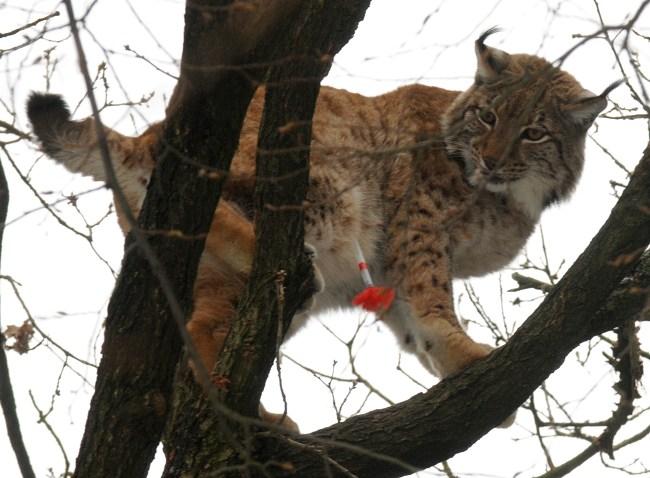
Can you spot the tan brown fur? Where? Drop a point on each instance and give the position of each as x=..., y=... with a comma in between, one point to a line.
x=433, y=184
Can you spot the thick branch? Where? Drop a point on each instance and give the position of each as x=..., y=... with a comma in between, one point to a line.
x=283, y=162
x=449, y=418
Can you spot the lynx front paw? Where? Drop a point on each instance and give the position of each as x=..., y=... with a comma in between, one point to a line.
x=447, y=349
x=451, y=353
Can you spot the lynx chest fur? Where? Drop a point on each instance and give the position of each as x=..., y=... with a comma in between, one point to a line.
x=431, y=184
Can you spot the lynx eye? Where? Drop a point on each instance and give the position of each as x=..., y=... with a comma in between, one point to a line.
x=488, y=117
x=534, y=134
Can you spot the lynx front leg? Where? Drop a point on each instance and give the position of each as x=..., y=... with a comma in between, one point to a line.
x=216, y=293
x=428, y=321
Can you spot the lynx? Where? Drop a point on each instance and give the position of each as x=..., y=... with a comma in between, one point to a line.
x=431, y=184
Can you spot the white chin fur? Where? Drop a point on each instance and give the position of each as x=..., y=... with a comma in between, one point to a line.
x=528, y=193
x=477, y=178
x=497, y=187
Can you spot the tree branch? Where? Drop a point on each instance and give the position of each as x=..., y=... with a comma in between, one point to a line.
x=306, y=47
x=449, y=418
x=142, y=345
x=29, y=25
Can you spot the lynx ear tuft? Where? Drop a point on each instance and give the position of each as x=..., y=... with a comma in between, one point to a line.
x=612, y=87
x=480, y=41
x=490, y=62
x=588, y=106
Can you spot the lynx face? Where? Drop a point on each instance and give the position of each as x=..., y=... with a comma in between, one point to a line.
x=520, y=129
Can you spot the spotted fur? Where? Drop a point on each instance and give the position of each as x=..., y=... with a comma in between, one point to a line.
x=433, y=184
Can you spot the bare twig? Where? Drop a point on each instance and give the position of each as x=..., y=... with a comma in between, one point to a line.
x=42, y=418
x=29, y=25
x=526, y=282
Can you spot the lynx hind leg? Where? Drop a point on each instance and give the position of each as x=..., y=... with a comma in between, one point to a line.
x=214, y=306
x=232, y=240
x=215, y=300
x=227, y=258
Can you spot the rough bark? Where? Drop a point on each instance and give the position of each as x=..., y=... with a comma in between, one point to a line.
x=201, y=439
x=431, y=427
x=142, y=342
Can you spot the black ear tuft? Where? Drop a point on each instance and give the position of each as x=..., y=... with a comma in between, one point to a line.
x=490, y=62
x=480, y=41
x=612, y=87
x=584, y=110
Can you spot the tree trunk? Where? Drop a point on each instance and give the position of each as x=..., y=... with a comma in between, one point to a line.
x=203, y=436
x=142, y=344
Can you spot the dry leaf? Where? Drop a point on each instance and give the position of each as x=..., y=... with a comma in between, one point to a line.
x=21, y=336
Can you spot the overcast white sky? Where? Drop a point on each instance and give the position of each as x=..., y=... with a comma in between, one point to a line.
x=66, y=286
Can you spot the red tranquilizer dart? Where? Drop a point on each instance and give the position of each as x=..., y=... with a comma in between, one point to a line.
x=373, y=298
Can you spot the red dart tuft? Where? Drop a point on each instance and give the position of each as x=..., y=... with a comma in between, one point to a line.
x=375, y=299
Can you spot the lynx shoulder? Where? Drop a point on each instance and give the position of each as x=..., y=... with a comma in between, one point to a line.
x=432, y=184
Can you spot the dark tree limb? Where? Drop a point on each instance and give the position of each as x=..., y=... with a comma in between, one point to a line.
x=591, y=298
x=203, y=122
x=6, y=391
x=283, y=162
x=200, y=439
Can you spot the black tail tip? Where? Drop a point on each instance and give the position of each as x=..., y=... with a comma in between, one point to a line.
x=43, y=108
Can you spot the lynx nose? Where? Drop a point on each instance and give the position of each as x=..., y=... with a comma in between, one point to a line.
x=490, y=162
